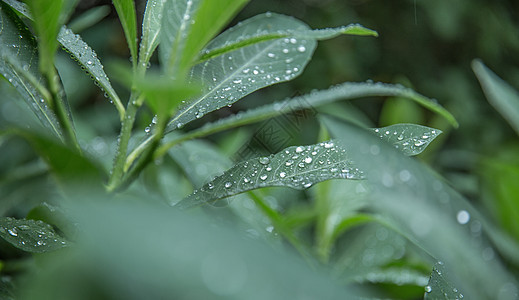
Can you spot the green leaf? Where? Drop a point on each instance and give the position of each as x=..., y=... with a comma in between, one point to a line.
x=48, y=16
x=427, y=212
x=296, y=167
x=19, y=66
x=30, y=235
x=83, y=54
x=344, y=91
x=411, y=139
x=500, y=94
x=126, y=11
x=228, y=78
x=232, y=40
x=440, y=286
x=89, y=18
x=189, y=26
x=151, y=28
x=88, y=59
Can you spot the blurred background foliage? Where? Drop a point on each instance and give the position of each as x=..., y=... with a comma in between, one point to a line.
x=426, y=45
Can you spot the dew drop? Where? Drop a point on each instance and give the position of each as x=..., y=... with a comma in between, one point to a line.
x=419, y=143
x=428, y=289
x=89, y=62
x=228, y=184
x=13, y=232
x=299, y=149
x=282, y=174
x=308, y=160
x=263, y=177
x=147, y=129
x=271, y=55
x=301, y=48
x=264, y=160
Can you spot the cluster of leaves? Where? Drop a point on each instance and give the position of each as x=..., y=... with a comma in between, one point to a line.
x=352, y=204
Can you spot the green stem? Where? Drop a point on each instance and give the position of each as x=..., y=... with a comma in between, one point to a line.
x=124, y=139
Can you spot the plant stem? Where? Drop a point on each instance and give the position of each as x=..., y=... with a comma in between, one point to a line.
x=124, y=139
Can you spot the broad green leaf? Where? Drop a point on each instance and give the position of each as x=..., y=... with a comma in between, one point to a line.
x=126, y=11
x=440, y=286
x=151, y=28
x=228, y=78
x=232, y=40
x=296, y=167
x=428, y=212
x=30, y=235
x=83, y=54
x=19, y=66
x=500, y=94
x=411, y=139
x=48, y=16
x=188, y=26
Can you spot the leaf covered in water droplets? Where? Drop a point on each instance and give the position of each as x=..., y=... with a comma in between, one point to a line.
x=296, y=167
x=228, y=78
x=411, y=139
x=439, y=286
x=30, y=235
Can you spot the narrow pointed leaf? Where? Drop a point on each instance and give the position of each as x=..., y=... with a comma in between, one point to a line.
x=30, y=235
x=296, y=167
x=440, y=286
x=231, y=41
x=500, y=94
x=126, y=11
x=19, y=66
x=176, y=26
x=83, y=54
x=411, y=139
x=151, y=28
x=228, y=78
x=344, y=91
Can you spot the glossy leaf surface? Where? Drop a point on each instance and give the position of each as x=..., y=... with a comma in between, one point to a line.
x=30, y=235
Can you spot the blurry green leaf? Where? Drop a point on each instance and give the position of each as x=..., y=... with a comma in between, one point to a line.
x=189, y=25
x=440, y=286
x=89, y=18
x=48, y=16
x=73, y=171
x=394, y=275
x=186, y=256
x=83, y=54
x=19, y=66
x=151, y=28
x=428, y=212
x=500, y=94
x=126, y=11
x=240, y=37
x=30, y=235
x=411, y=139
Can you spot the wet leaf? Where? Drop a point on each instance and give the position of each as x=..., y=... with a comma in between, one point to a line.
x=440, y=286
x=30, y=235
x=19, y=66
x=411, y=139
x=151, y=28
x=83, y=54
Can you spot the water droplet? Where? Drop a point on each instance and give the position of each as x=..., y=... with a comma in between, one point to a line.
x=228, y=184
x=89, y=62
x=282, y=174
x=154, y=120
x=237, y=81
x=255, y=72
x=285, y=50
x=210, y=186
x=147, y=129
x=246, y=180
x=13, y=232
x=263, y=177
x=419, y=143
x=428, y=289
x=268, y=169
x=264, y=160
x=308, y=160
x=400, y=137
x=301, y=48
x=299, y=149
x=271, y=55
x=463, y=217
